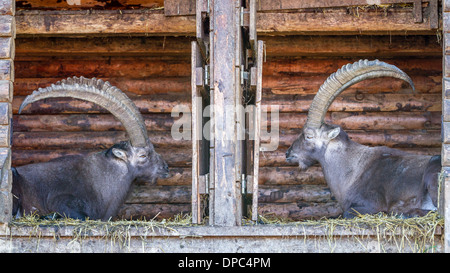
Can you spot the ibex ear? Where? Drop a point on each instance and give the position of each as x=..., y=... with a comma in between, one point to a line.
x=121, y=154
x=333, y=133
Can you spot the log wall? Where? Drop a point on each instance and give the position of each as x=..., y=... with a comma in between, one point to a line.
x=155, y=72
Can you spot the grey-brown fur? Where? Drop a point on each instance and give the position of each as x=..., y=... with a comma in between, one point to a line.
x=369, y=179
x=96, y=185
x=364, y=179
x=93, y=186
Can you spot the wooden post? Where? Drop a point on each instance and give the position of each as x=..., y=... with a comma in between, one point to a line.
x=445, y=175
x=7, y=35
x=227, y=70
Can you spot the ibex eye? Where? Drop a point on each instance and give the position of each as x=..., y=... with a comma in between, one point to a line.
x=143, y=156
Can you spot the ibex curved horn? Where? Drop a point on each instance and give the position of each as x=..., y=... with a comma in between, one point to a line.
x=101, y=93
x=345, y=77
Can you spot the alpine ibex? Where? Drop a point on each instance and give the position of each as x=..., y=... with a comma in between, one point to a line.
x=364, y=179
x=92, y=186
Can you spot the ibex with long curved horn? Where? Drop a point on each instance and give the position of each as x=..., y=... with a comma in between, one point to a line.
x=364, y=179
x=92, y=186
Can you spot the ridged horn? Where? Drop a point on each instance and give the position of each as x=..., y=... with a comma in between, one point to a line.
x=103, y=94
x=345, y=77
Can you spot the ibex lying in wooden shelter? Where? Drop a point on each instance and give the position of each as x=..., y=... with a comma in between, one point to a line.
x=94, y=185
x=365, y=179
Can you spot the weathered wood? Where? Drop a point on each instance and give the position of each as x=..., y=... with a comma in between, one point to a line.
x=85, y=122
x=146, y=86
x=282, y=46
x=147, y=193
x=138, y=22
x=286, y=103
x=88, y=4
x=131, y=67
x=6, y=70
x=151, y=211
x=301, y=211
x=102, y=22
x=106, y=46
x=6, y=91
x=7, y=26
x=88, y=140
x=365, y=120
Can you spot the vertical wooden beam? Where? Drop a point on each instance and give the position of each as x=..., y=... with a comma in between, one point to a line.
x=223, y=84
x=445, y=154
x=7, y=12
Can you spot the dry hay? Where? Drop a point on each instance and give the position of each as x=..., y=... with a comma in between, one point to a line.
x=417, y=234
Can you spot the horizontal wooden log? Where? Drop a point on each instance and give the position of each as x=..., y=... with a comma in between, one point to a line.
x=351, y=103
x=164, y=122
x=283, y=85
x=151, y=194
x=286, y=103
x=132, y=67
x=88, y=140
x=88, y=4
x=151, y=211
x=293, y=46
x=146, y=86
x=301, y=66
x=292, y=211
x=114, y=67
x=363, y=120
x=300, y=211
x=105, y=46
x=84, y=122
x=102, y=22
x=92, y=140
x=310, y=84
x=138, y=22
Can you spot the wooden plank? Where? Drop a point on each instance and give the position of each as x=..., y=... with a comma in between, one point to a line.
x=293, y=45
x=91, y=140
x=98, y=23
x=7, y=26
x=339, y=21
x=358, y=45
x=178, y=8
x=223, y=81
x=6, y=91
x=196, y=133
x=89, y=4
x=146, y=193
x=99, y=46
x=138, y=22
x=257, y=126
x=287, y=103
x=85, y=122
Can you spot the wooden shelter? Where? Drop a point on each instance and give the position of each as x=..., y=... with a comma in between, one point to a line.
x=145, y=47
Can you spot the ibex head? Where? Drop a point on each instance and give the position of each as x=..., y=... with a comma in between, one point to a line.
x=316, y=134
x=138, y=154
